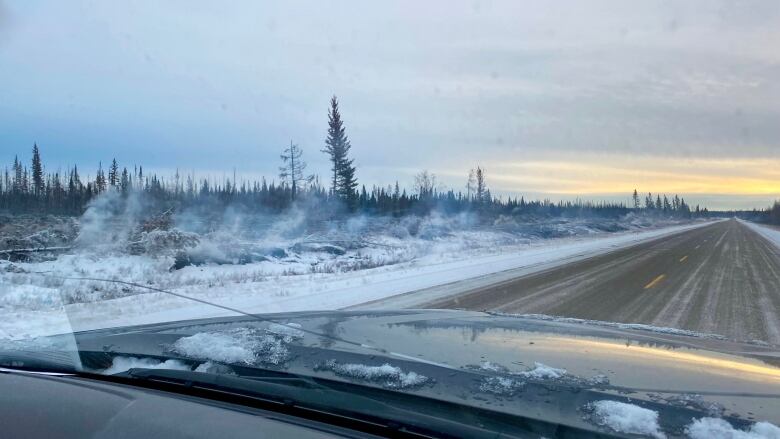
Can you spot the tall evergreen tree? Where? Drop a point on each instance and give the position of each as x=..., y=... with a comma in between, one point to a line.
x=481, y=190
x=37, y=172
x=113, y=174
x=337, y=146
x=17, y=183
x=100, y=179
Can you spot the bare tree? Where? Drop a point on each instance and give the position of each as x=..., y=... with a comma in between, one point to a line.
x=292, y=171
x=425, y=184
x=471, y=184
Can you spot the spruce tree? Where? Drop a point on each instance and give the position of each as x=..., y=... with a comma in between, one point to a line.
x=481, y=190
x=113, y=174
x=37, y=172
x=337, y=146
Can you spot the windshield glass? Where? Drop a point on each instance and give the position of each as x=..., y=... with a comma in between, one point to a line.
x=472, y=202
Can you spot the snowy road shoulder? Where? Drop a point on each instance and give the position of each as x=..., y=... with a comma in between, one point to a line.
x=770, y=233
x=406, y=283
x=462, y=276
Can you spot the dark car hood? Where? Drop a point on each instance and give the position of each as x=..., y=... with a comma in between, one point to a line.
x=461, y=351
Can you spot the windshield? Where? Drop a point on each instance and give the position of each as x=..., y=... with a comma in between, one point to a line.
x=471, y=202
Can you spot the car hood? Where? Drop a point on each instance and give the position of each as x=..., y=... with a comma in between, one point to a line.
x=482, y=358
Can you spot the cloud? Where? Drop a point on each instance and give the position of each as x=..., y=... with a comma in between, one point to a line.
x=438, y=85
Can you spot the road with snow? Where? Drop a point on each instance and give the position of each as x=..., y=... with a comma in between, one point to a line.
x=723, y=278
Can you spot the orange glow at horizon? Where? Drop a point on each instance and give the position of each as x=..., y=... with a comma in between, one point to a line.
x=621, y=175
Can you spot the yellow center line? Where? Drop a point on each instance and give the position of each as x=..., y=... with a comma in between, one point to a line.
x=682, y=259
x=655, y=281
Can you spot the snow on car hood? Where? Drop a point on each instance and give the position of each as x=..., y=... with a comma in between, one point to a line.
x=482, y=358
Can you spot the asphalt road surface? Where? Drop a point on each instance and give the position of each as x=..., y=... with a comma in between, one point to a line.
x=722, y=279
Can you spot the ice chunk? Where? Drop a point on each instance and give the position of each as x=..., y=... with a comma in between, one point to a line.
x=715, y=428
x=512, y=382
x=543, y=372
x=493, y=367
x=598, y=380
x=289, y=331
x=386, y=375
x=241, y=345
x=214, y=368
x=501, y=386
x=626, y=418
x=123, y=364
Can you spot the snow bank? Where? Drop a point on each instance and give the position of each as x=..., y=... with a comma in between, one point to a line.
x=386, y=375
x=240, y=345
x=715, y=428
x=626, y=418
x=770, y=233
x=123, y=364
x=33, y=302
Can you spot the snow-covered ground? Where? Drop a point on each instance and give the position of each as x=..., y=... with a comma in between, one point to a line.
x=770, y=233
x=69, y=293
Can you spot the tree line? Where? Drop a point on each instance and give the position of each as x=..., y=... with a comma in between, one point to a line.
x=30, y=189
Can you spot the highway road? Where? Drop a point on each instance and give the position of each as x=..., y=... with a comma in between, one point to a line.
x=722, y=279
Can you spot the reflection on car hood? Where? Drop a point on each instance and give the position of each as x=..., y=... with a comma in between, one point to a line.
x=461, y=352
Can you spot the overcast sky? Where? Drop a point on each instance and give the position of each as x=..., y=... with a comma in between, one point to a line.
x=553, y=98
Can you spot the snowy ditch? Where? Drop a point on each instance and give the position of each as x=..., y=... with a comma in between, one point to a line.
x=380, y=259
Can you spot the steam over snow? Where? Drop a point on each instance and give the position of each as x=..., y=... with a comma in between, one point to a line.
x=271, y=263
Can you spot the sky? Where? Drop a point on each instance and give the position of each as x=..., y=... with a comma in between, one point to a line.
x=562, y=99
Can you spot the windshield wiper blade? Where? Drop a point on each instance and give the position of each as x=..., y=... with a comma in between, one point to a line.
x=365, y=408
